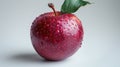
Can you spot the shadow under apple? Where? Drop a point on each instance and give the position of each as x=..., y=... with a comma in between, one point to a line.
x=30, y=58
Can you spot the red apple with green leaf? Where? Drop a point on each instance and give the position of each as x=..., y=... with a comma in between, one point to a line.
x=58, y=35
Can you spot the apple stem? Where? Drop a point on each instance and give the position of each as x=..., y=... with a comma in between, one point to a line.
x=51, y=5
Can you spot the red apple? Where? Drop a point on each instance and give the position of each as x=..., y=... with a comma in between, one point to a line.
x=56, y=35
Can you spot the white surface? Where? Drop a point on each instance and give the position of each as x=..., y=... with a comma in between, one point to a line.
x=101, y=45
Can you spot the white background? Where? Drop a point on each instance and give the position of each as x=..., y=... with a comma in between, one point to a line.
x=100, y=48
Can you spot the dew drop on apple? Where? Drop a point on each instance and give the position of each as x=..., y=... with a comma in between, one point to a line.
x=37, y=32
x=58, y=31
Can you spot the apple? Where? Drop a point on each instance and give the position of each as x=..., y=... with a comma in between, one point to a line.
x=57, y=35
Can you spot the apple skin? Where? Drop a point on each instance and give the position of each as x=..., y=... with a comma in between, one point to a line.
x=56, y=37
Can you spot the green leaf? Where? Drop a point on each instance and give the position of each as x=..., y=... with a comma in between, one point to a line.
x=71, y=6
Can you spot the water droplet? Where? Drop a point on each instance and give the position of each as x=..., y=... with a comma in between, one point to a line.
x=47, y=25
x=81, y=43
x=74, y=27
x=46, y=37
x=57, y=25
x=68, y=29
x=37, y=17
x=72, y=23
x=37, y=32
x=32, y=23
x=58, y=31
x=64, y=23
